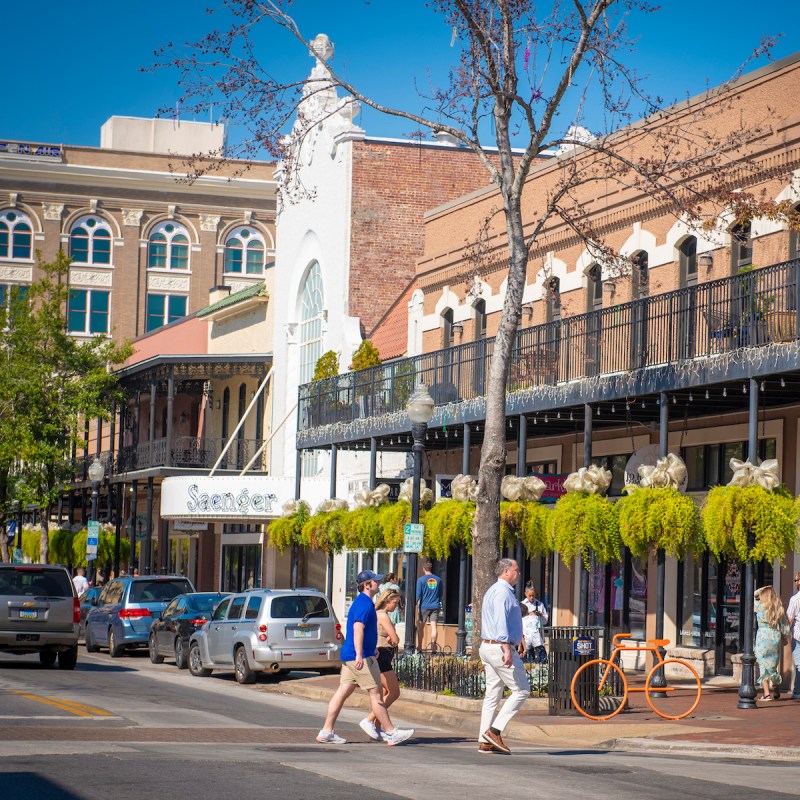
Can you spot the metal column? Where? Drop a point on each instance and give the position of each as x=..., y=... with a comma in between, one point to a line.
x=522, y=447
x=461, y=632
x=583, y=602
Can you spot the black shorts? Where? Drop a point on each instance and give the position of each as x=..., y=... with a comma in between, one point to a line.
x=429, y=615
x=385, y=656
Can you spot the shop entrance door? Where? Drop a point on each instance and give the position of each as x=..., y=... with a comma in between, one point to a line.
x=241, y=567
x=724, y=586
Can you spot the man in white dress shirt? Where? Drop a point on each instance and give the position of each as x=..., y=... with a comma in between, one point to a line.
x=793, y=612
x=501, y=629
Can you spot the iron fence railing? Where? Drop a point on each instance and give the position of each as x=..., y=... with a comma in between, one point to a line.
x=755, y=307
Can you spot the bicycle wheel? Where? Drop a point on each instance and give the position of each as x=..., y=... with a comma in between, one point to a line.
x=682, y=693
x=599, y=685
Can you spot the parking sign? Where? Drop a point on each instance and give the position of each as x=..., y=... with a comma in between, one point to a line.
x=91, y=540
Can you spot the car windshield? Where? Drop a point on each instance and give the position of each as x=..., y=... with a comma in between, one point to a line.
x=299, y=606
x=158, y=591
x=35, y=582
x=203, y=604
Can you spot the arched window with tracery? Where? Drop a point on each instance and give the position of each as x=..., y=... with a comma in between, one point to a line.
x=90, y=241
x=16, y=236
x=168, y=247
x=245, y=252
x=312, y=300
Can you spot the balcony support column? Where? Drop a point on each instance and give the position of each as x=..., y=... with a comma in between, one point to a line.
x=119, y=498
x=170, y=404
x=85, y=456
x=329, y=565
x=99, y=442
x=148, y=534
x=298, y=470
x=134, y=518
x=522, y=448
x=151, y=430
x=461, y=631
x=112, y=436
x=583, y=573
x=373, y=462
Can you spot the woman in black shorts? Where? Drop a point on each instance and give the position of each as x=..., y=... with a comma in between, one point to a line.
x=386, y=602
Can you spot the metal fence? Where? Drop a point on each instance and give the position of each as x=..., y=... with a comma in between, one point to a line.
x=753, y=308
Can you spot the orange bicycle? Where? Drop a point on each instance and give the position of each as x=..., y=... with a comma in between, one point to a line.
x=601, y=683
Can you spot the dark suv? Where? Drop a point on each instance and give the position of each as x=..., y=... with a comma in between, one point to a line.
x=39, y=613
x=126, y=609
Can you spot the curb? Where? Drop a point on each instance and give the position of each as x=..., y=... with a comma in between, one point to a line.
x=683, y=747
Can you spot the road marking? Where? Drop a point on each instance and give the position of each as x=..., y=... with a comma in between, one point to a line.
x=78, y=709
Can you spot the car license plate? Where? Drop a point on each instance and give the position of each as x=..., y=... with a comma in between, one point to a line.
x=23, y=614
x=302, y=633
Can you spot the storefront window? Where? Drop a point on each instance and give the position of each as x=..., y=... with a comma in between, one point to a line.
x=597, y=584
x=691, y=628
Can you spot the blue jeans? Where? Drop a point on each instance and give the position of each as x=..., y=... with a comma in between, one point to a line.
x=796, y=662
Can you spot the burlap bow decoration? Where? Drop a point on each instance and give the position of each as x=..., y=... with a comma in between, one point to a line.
x=766, y=475
x=334, y=504
x=668, y=473
x=464, y=489
x=291, y=507
x=593, y=480
x=369, y=498
x=407, y=490
x=522, y=489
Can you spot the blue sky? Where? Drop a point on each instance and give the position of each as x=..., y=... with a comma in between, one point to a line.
x=76, y=65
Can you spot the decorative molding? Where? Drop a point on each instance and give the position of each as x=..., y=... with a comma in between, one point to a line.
x=93, y=205
x=248, y=217
x=171, y=211
x=132, y=217
x=291, y=333
x=12, y=199
x=177, y=283
x=84, y=277
x=53, y=211
x=209, y=222
x=21, y=274
x=237, y=286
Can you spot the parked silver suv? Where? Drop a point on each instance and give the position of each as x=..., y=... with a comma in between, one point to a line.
x=39, y=613
x=266, y=630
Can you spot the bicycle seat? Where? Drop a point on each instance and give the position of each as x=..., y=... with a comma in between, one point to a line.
x=658, y=642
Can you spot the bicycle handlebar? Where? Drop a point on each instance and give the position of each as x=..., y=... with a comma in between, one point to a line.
x=620, y=636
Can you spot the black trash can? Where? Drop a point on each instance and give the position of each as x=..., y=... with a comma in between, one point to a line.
x=570, y=647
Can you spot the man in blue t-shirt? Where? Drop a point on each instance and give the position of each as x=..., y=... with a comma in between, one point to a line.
x=429, y=601
x=360, y=667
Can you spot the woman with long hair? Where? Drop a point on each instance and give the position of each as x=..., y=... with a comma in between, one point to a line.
x=386, y=602
x=773, y=627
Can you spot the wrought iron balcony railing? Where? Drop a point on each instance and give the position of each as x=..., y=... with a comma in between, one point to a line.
x=751, y=309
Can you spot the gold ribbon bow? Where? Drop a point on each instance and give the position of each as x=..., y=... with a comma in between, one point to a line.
x=407, y=490
x=464, y=489
x=745, y=473
x=334, y=504
x=291, y=507
x=668, y=473
x=368, y=498
x=594, y=480
x=522, y=489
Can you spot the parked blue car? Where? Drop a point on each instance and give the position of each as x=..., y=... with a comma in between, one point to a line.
x=126, y=609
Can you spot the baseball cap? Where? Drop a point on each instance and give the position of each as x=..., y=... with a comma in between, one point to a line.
x=368, y=575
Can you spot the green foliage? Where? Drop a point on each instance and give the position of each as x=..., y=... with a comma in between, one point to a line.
x=362, y=529
x=448, y=524
x=366, y=356
x=582, y=524
x=288, y=531
x=650, y=519
x=394, y=517
x=402, y=381
x=527, y=521
x=729, y=512
x=327, y=366
x=105, y=548
x=325, y=532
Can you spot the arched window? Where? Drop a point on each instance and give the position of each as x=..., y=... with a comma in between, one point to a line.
x=311, y=316
x=640, y=277
x=687, y=258
x=245, y=252
x=447, y=328
x=16, y=236
x=594, y=293
x=552, y=296
x=480, y=320
x=741, y=247
x=90, y=241
x=794, y=239
x=168, y=247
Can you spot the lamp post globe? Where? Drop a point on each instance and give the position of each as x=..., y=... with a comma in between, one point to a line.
x=96, y=475
x=96, y=471
x=420, y=412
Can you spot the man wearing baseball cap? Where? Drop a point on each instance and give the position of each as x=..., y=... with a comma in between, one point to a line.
x=793, y=613
x=360, y=666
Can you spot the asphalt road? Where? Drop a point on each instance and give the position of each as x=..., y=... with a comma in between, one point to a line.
x=126, y=728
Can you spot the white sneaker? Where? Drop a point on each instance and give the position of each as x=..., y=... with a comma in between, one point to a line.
x=369, y=728
x=398, y=735
x=329, y=737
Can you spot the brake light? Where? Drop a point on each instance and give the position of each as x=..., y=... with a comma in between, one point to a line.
x=198, y=623
x=262, y=637
x=339, y=631
x=262, y=628
x=76, y=610
x=128, y=613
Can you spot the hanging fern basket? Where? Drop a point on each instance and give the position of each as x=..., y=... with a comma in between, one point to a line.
x=584, y=524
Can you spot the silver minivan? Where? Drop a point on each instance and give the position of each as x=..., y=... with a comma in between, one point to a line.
x=266, y=630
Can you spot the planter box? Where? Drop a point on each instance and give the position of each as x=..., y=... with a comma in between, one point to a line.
x=782, y=326
x=702, y=660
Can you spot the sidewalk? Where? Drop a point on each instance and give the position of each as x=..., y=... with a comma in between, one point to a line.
x=772, y=731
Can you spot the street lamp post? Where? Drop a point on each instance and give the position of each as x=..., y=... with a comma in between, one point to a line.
x=420, y=412
x=96, y=474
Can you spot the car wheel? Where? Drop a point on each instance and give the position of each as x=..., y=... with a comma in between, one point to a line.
x=181, y=661
x=196, y=662
x=47, y=658
x=154, y=656
x=91, y=647
x=67, y=659
x=243, y=672
x=114, y=650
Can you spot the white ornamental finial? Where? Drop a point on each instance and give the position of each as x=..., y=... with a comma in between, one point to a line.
x=321, y=49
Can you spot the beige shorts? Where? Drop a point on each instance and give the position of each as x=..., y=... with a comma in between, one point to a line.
x=366, y=678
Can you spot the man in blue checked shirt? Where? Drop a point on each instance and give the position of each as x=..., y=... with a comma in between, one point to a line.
x=501, y=629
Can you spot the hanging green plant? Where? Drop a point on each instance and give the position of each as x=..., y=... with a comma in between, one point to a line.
x=448, y=525
x=582, y=524
x=362, y=529
x=287, y=531
x=512, y=518
x=393, y=517
x=324, y=531
x=526, y=521
x=653, y=518
x=730, y=512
